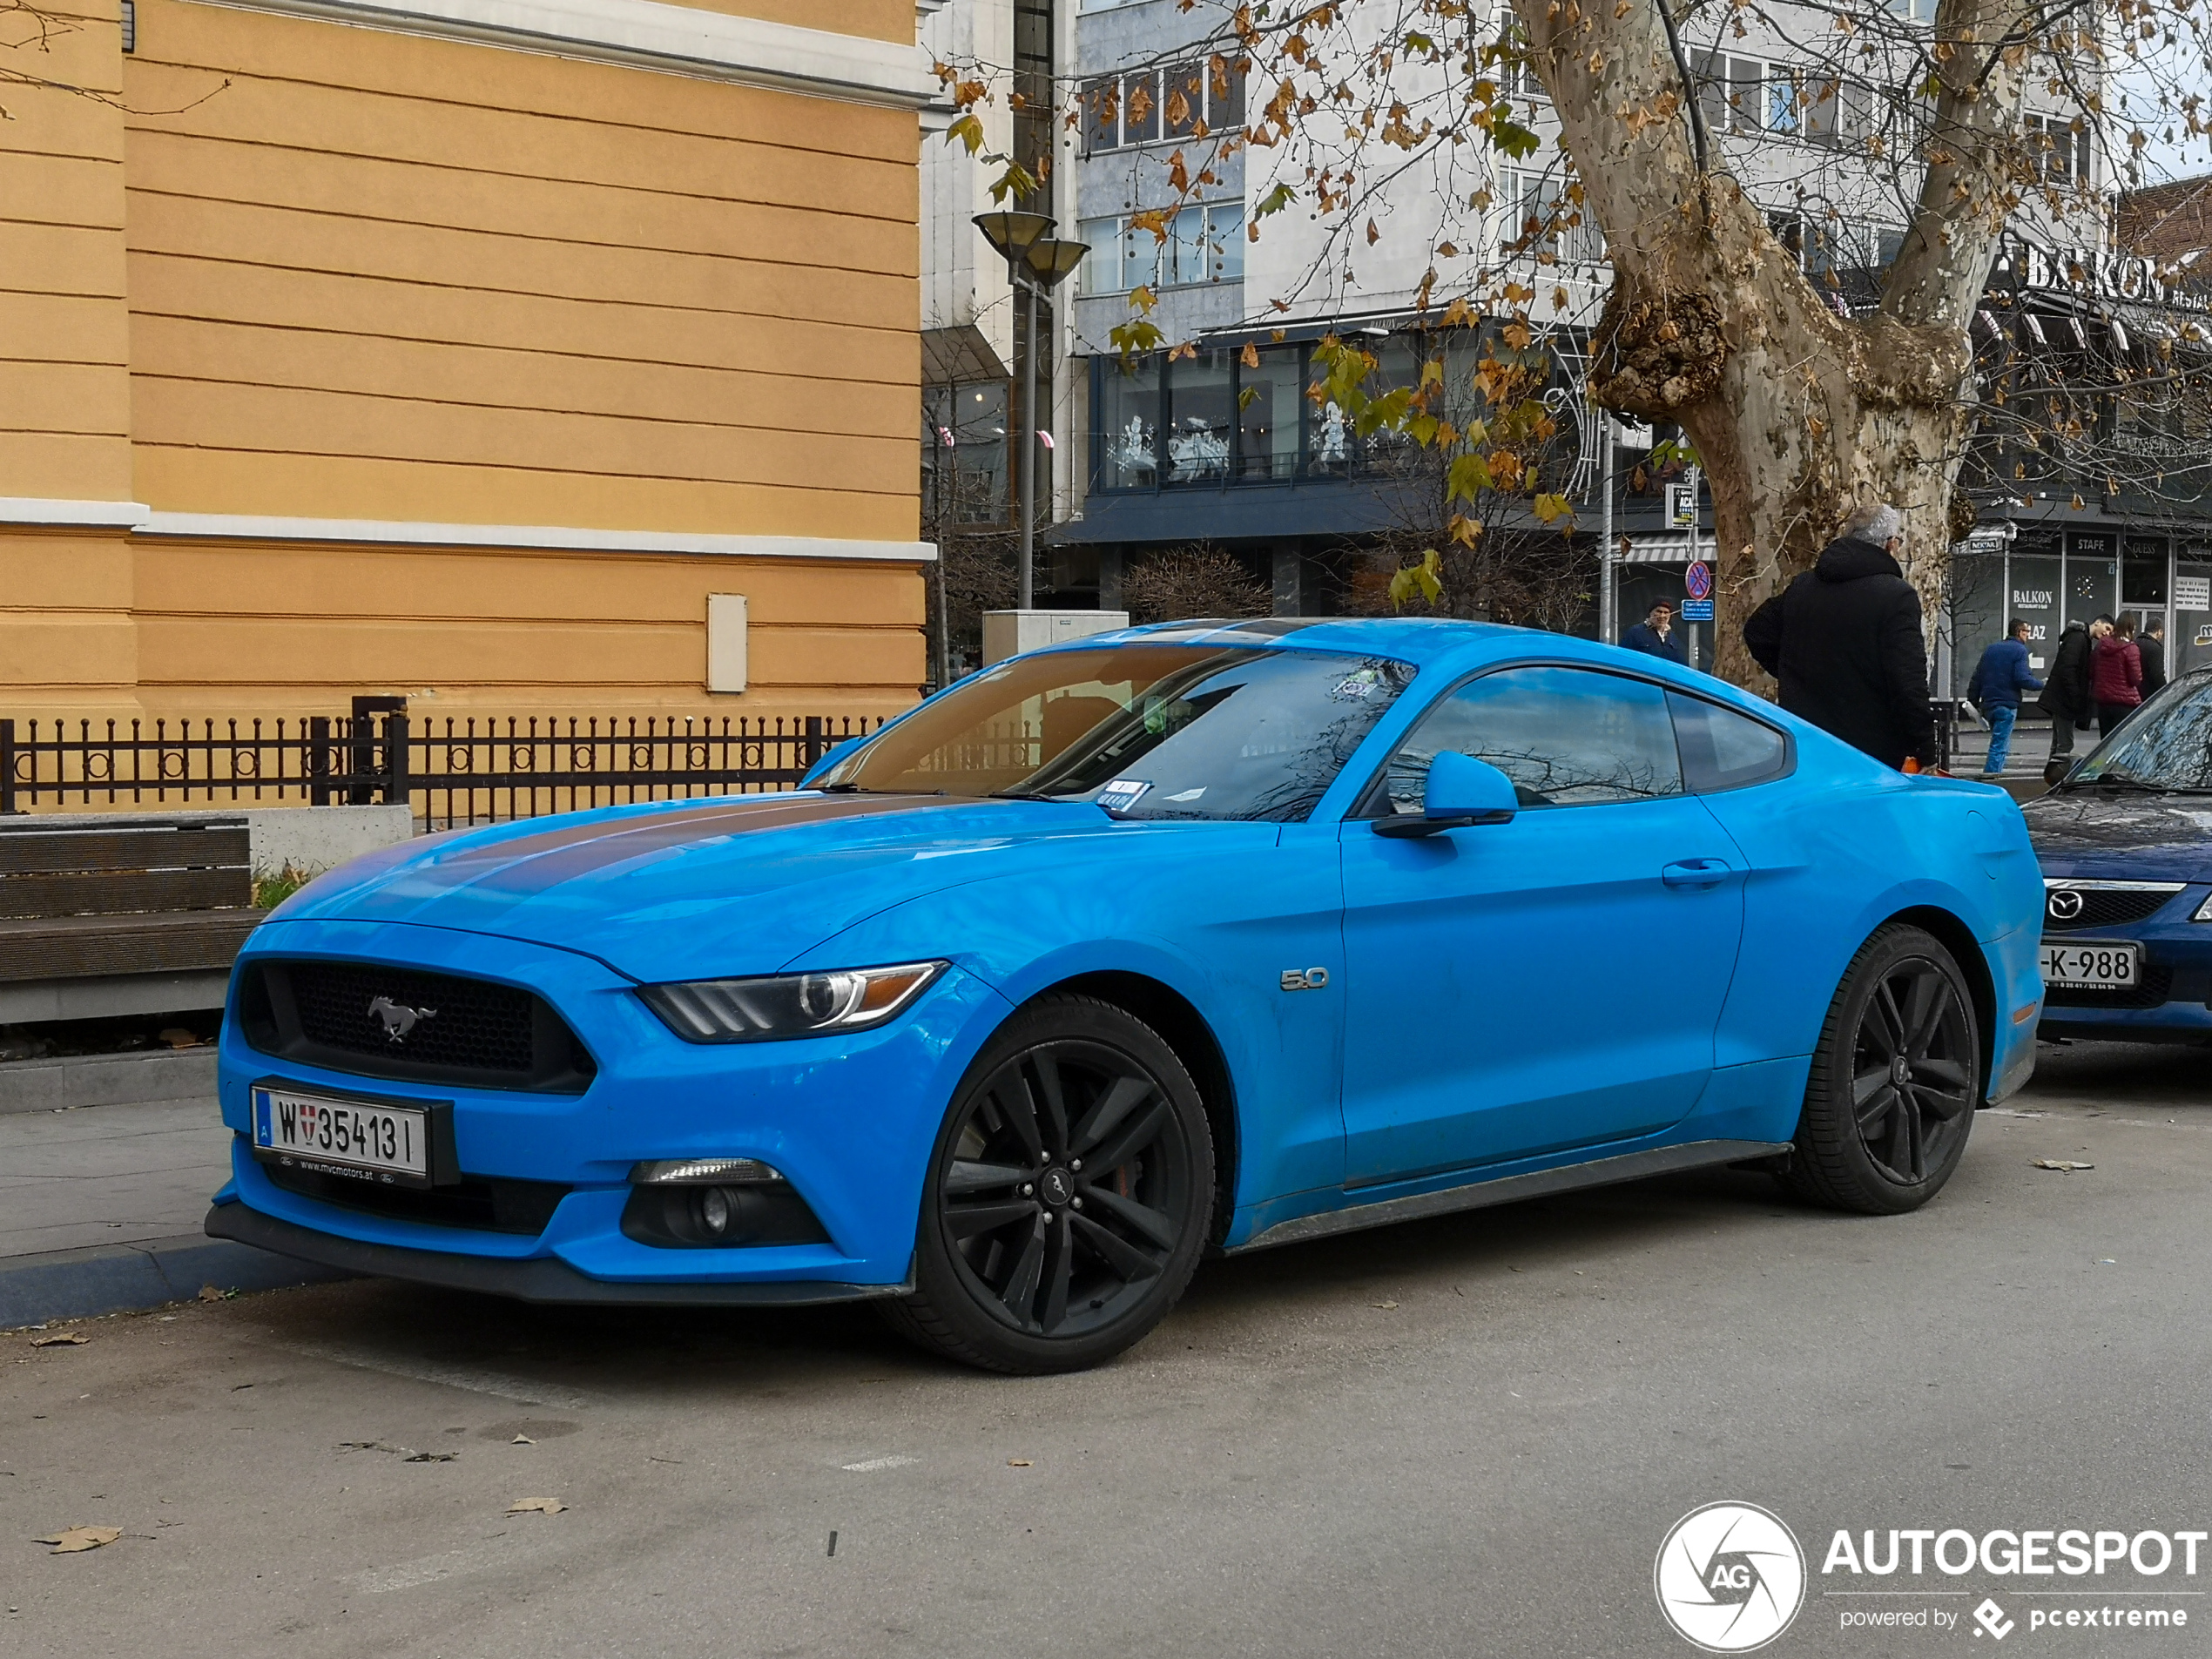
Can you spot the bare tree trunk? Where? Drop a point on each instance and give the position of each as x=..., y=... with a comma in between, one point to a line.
x=1798, y=413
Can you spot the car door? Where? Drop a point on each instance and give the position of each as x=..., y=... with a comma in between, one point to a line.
x=1551, y=982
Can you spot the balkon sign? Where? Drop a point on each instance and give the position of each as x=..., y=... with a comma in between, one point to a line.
x=2094, y=273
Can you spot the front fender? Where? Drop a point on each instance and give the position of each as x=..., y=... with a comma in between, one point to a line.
x=1219, y=926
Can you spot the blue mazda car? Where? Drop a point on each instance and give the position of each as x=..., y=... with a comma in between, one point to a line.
x=1207, y=936
x=2125, y=840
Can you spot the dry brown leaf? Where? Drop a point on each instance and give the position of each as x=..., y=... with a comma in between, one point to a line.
x=522, y=1440
x=2064, y=1165
x=60, y=1340
x=177, y=1037
x=209, y=1293
x=71, y=1539
x=1019, y=1463
x=535, y=1505
x=1385, y=1306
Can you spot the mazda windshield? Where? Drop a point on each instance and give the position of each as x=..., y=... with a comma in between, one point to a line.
x=1148, y=732
x=2166, y=746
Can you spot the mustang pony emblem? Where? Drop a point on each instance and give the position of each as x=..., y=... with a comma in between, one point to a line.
x=398, y=1018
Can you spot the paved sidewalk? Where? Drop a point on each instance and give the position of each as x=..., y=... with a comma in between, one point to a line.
x=100, y=1211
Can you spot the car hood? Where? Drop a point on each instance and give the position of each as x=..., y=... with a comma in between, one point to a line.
x=2122, y=836
x=684, y=889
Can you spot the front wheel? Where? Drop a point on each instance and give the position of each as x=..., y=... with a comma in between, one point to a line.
x=1894, y=1083
x=1068, y=1198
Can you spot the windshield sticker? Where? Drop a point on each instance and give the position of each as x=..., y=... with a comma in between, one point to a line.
x=1359, y=683
x=1189, y=794
x=1122, y=794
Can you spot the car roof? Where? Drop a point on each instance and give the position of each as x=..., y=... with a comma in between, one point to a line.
x=1418, y=640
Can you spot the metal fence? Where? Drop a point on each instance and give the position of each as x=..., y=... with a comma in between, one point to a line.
x=454, y=770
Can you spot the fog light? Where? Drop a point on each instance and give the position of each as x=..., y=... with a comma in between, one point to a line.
x=714, y=1211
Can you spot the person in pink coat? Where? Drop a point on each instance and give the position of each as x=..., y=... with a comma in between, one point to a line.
x=2116, y=676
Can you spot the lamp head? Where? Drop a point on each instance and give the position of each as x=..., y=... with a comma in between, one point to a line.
x=1051, y=261
x=1012, y=233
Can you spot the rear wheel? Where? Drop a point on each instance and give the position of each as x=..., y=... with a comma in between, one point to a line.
x=1895, y=1080
x=1068, y=1198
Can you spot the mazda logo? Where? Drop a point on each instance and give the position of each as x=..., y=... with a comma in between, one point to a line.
x=2064, y=904
x=397, y=1018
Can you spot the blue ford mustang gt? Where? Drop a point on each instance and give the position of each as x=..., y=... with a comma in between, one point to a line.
x=1200, y=936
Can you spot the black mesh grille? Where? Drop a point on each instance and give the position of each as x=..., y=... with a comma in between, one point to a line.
x=2153, y=990
x=484, y=1206
x=454, y=1021
x=2101, y=908
x=406, y=1023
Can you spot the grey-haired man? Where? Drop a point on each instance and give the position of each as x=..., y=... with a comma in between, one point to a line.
x=1844, y=642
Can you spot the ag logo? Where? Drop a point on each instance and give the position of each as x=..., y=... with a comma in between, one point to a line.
x=1729, y=1577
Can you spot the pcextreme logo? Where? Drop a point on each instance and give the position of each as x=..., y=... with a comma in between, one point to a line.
x=1729, y=1577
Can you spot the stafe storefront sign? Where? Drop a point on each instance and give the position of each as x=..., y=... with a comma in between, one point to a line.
x=2097, y=273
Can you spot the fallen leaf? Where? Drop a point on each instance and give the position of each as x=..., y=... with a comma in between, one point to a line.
x=2064, y=1164
x=70, y=1540
x=209, y=1293
x=538, y=1506
x=522, y=1440
x=177, y=1037
x=1385, y=1305
x=1019, y=1463
x=60, y=1340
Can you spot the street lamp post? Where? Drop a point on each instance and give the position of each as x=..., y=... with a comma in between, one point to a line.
x=1036, y=262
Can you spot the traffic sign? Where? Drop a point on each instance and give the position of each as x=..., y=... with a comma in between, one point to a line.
x=1697, y=610
x=1697, y=580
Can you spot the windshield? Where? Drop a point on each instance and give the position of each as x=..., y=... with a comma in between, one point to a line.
x=2167, y=745
x=1144, y=731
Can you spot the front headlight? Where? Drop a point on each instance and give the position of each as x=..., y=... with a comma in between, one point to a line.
x=787, y=1005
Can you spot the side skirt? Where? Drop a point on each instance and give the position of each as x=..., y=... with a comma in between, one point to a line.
x=1511, y=1189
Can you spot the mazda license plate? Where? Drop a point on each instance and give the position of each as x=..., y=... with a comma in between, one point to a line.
x=361, y=1140
x=2092, y=966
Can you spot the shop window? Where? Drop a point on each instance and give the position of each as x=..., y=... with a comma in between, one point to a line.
x=1129, y=418
x=1202, y=418
x=1268, y=406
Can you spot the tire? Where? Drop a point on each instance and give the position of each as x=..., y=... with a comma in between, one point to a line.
x=1068, y=1197
x=1895, y=1082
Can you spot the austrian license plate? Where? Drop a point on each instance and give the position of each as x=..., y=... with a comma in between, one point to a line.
x=2092, y=967
x=360, y=1140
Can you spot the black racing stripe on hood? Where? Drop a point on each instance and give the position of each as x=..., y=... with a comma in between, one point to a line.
x=536, y=862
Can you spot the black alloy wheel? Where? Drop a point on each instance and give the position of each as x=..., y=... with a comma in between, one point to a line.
x=1895, y=1080
x=1069, y=1196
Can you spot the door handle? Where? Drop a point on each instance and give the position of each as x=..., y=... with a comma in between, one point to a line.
x=1697, y=872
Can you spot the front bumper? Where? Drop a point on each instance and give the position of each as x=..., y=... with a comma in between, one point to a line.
x=2177, y=971
x=541, y=1279
x=849, y=1121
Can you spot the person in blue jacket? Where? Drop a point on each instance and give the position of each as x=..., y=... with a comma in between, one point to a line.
x=1999, y=679
x=1655, y=634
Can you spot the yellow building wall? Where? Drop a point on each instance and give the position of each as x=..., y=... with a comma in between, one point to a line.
x=65, y=328
x=336, y=273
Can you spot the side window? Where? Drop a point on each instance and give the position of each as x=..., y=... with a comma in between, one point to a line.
x=1565, y=736
x=1722, y=749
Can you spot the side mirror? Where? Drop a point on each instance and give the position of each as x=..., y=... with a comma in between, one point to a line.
x=1462, y=791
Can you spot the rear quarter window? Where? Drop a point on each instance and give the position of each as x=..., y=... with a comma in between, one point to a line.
x=1722, y=749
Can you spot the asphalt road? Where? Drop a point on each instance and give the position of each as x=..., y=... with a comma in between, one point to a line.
x=1467, y=1436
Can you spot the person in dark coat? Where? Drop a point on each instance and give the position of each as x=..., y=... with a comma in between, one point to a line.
x=1999, y=679
x=1655, y=634
x=2116, y=676
x=1845, y=643
x=2152, y=647
x=2066, y=694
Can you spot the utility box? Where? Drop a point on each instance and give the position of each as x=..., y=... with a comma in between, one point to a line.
x=1009, y=633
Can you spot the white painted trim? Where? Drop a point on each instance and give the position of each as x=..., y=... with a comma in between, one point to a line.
x=35, y=510
x=408, y=532
x=649, y=35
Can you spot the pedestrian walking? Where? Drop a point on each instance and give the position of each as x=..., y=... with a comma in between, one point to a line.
x=1655, y=634
x=2116, y=676
x=2152, y=647
x=1999, y=679
x=2066, y=694
x=1844, y=640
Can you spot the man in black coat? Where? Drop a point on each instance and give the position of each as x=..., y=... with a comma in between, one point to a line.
x=2152, y=649
x=1844, y=642
x=2066, y=690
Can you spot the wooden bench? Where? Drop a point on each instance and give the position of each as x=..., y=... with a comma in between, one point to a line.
x=120, y=915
